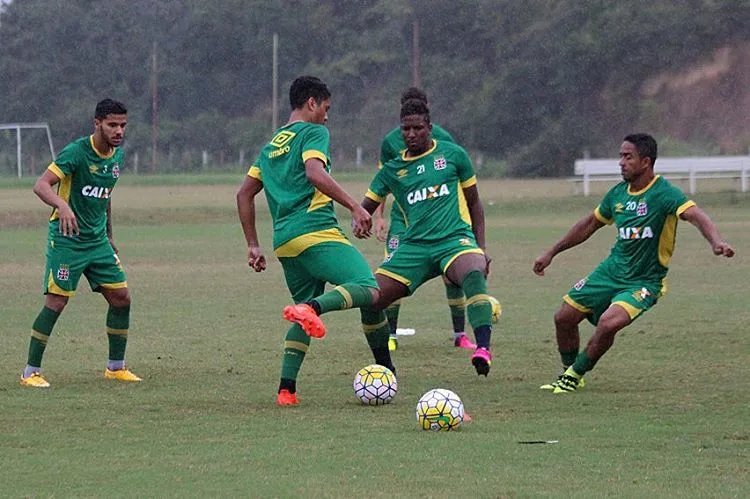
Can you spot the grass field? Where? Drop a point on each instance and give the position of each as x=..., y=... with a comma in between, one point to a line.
x=664, y=414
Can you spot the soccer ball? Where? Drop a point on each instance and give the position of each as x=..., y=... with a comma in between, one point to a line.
x=375, y=385
x=497, y=309
x=440, y=410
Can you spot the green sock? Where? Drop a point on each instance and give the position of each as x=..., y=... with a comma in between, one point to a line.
x=478, y=306
x=118, y=322
x=344, y=297
x=296, y=344
x=583, y=364
x=40, y=333
x=376, y=329
x=568, y=358
x=392, y=314
x=457, y=304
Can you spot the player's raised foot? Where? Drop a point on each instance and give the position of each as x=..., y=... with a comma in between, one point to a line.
x=570, y=381
x=463, y=341
x=482, y=360
x=285, y=397
x=35, y=380
x=553, y=385
x=392, y=344
x=121, y=375
x=304, y=315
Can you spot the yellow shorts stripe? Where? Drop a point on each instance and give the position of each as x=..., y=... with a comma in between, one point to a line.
x=403, y=280
x=114, y=285
x=570, y=301
x=54, y=289
x=632, y=311
x=472, y=250
x=299, y=244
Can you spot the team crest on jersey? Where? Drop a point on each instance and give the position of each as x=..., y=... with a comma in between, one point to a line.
x=63, y=272
x=393, y=243
x=642, y=294
x=402, y=173
x=116, y=170
x=440, y=163
x=579, y=285
x=642, y=209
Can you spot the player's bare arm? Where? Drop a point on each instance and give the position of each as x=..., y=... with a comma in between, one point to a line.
x=246, y=211
x=319, y=177
x=582, y=230
x=381, y=225
x=44, y=189
x=708, y=230
x=109, y=227
x=476, y=211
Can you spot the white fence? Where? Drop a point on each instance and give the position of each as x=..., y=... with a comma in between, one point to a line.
x=692, y=168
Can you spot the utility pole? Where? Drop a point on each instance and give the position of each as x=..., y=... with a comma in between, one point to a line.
x=275, y=92
x=154, y=110
x=415, y=67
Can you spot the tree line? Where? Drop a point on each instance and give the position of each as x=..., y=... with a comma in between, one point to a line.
x=526, y=85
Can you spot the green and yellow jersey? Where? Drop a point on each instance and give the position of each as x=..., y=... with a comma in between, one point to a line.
x=302, y=215
x=428, y=191
x=87, y=178
x=646, y=223
x=392, y=146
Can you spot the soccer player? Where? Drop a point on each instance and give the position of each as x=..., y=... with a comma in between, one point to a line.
x=294, y=168
x=644, y=208
x=80, y=239
x=444, y=236
x=392, y=146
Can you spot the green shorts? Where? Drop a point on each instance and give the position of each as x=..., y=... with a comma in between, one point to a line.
x=330, y=262
x=595, y=293
x=413, y=264
x=65, y=265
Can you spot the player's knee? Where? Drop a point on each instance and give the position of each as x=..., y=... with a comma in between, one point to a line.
x=118, y=298
x=565, y=316
x=55, y=302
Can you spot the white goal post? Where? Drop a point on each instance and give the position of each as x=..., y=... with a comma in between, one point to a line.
x=17, y=127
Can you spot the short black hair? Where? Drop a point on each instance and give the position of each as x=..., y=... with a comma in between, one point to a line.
x=413, y=93
x=109, y=106
x=645, y=144
x=305, y=87
x=415, y=106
